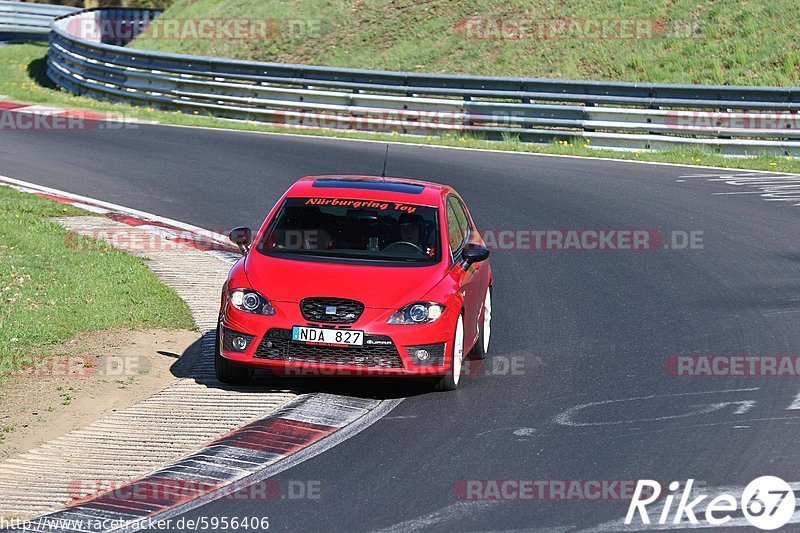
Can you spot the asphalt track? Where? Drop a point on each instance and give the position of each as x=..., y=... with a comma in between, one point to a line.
x=581, y=327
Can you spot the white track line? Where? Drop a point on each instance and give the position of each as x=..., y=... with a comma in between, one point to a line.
x=440, y=517
x=795, y=405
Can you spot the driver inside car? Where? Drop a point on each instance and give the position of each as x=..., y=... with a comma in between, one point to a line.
x=412, y=230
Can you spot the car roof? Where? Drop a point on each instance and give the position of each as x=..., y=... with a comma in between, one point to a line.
x=369, y=188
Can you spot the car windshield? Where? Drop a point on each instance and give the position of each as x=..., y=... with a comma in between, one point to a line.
x=354, y=229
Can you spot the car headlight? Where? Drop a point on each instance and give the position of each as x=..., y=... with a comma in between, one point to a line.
x=417, y=313
x=250, y=301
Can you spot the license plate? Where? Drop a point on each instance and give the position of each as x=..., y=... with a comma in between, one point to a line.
x=340, y=337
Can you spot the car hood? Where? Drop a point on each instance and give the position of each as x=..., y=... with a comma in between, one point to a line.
x=386, y=287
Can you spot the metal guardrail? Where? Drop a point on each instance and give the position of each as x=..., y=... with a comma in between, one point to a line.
x=26, y=20
x=726, y=119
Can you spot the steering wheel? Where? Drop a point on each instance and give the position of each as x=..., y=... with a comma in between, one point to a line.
x=397, y=244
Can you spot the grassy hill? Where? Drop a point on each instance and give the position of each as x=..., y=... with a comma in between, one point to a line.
x=748, y=42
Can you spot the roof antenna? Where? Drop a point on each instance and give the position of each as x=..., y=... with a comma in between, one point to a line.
x=385, y=158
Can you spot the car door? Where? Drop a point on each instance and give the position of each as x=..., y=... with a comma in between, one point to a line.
x=459, y=231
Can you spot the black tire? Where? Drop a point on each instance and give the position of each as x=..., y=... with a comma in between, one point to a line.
x=450, y=380
x=229, y=372
x=481, y=347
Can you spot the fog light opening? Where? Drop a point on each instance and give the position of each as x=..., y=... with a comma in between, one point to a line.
x=240, y=343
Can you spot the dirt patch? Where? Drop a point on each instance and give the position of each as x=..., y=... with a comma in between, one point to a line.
x=87, y=377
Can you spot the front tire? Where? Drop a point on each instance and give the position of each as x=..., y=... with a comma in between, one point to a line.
x=485, y=331
x=451, y=379
x=227, y=371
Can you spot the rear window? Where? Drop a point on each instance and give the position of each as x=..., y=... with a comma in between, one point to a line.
x=354, y=229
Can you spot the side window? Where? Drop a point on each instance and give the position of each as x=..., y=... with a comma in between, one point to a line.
x=454, y=232
x=461, y=215
x=457, y=224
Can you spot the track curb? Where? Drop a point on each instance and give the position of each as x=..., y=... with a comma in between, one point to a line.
x=301, y=427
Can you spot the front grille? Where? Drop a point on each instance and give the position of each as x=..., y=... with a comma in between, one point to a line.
x=331, y=310
x=378, y=351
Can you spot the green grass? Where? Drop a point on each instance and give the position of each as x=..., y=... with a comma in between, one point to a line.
x=748, y=43
x=22, y=77
x=54, y=285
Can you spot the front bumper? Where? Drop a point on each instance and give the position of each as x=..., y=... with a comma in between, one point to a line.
x=388, y=349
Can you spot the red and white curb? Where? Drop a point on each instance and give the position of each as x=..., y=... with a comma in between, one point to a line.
x=227, y=467
x=165, y=431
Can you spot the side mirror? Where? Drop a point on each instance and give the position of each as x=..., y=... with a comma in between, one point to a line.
x=474, y=253
x=241, y=237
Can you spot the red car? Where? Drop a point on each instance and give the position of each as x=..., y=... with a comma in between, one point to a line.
x=357, y=275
